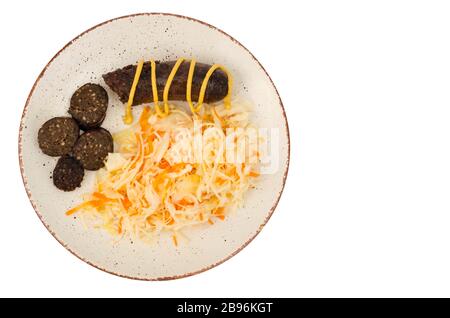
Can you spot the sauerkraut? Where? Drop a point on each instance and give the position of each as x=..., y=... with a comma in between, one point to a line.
x=170, y=173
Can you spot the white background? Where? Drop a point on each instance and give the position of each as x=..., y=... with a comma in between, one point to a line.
x=366, y=208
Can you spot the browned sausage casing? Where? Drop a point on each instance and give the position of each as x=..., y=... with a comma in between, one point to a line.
x=120, y=82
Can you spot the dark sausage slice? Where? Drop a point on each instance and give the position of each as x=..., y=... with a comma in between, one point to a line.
x=93, y=147
x=57, y=136
x=120, y=82
x=88, y=105
x=68, y=174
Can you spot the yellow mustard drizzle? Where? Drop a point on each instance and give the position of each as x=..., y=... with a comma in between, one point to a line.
x=128, y=118
x=201, y=96
x=168, y=84
x=189, y=88
x=154, y=87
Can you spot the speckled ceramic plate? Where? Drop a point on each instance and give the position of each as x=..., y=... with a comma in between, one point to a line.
x=114, y=44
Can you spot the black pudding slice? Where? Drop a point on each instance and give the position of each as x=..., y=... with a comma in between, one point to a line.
x=93, y=147
x=68, y=174
x=58, y=135
x=88, y=105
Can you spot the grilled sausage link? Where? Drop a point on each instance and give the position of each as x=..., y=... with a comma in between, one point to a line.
x=120, y=82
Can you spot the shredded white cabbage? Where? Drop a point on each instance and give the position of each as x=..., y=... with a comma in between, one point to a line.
x=174, y=172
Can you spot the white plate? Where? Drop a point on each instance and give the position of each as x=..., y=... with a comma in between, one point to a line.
x=114, y=44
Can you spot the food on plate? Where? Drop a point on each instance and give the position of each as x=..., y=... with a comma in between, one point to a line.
x=68, y=173
x=60, y=136
x=158, y=180
x=88, y=105
x=120, y=82
x=175, y=80
x=93, y=147
x=57, y=136
x=154, y=184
